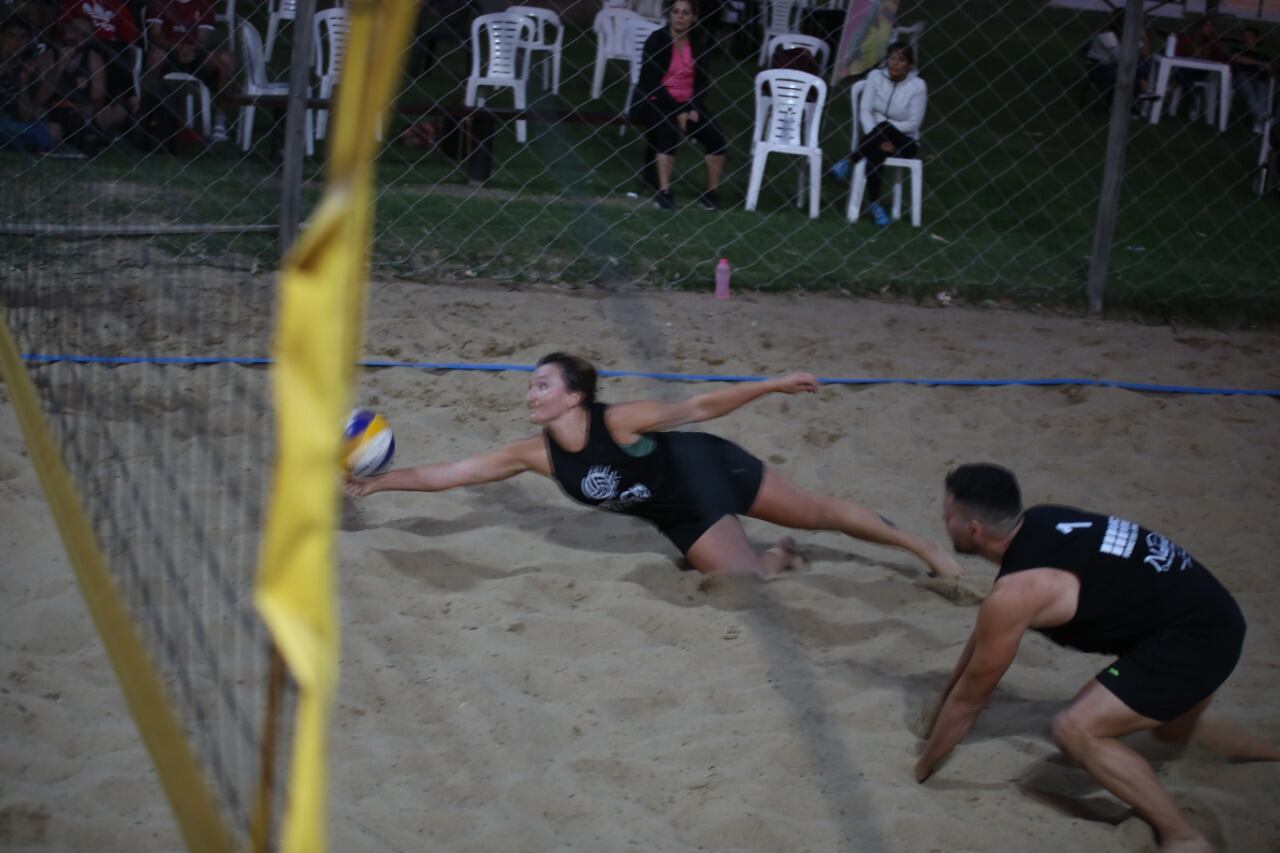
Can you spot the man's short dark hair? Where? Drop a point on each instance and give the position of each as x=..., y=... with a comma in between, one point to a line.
x=990, y=491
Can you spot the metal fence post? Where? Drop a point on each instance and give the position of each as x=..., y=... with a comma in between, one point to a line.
x=295, y=123
x=1113, y=169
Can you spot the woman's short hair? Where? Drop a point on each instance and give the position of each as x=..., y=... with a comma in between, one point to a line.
x=903, y=48
x=579, y=374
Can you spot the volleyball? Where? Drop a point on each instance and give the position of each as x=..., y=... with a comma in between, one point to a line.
x=368, y=443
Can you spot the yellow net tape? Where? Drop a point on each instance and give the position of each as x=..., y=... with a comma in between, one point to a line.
x=322, y=297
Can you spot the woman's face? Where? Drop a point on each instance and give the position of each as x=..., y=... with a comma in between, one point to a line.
x=682, y=17
x=899, y=65
x=548, y=398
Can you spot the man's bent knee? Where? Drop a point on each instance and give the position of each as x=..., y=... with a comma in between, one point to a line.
x=1069, y=734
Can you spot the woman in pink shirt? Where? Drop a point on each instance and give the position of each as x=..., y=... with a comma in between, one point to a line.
x=670, y=102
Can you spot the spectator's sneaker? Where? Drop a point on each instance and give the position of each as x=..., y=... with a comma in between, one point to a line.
x=878, y=215
x=709, y=200
x=840, y=170
x=664, y=200
x=219, y=133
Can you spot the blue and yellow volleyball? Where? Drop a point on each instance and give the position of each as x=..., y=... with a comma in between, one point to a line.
x=367, y=444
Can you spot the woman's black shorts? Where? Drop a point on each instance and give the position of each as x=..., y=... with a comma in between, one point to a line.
x=718, y=478
x=664, y=133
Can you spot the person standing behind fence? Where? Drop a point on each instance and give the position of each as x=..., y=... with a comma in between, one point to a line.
x=891, y=112
x=671, y=102
x=1200, y=41
x=1251, y=74
x=1103, y=57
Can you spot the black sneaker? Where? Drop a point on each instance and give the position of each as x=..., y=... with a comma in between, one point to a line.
x=709, y=200
x=664, y=200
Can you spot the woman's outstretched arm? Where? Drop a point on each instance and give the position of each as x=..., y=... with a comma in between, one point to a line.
x=630, y=419
x=529, y=454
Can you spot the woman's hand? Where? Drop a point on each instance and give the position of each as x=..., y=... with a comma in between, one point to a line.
x=358, y=487
x=887, y=147
x=794, y=383
x=683, y=119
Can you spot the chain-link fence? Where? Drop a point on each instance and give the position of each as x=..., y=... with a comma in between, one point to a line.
x=1012, y=148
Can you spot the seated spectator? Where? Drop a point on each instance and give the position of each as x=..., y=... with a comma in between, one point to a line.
x=671, y=102
x=1103, y=58
x=21, y=97
x=1200, y=41
x=182, y=40
x=79, y=78
x=890, y=113
x=115, y=33
x=1251, y=74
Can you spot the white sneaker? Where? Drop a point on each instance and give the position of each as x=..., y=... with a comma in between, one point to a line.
x=219, y=133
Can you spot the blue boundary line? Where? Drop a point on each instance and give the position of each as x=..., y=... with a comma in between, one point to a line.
x=187, y=361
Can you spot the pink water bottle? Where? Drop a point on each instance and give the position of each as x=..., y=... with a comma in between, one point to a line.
x=722, y=279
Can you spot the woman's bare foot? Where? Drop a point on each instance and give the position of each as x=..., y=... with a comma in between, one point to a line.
x=783, y=557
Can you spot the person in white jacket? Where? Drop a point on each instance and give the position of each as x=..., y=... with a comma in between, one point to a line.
x=891, y=112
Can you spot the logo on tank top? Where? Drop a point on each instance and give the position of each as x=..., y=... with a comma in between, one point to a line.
x=1120, y=537
x=632, y=496
x=1162, y=553
x=601, y=482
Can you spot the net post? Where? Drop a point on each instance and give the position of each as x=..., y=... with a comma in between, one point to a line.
x=261, y=828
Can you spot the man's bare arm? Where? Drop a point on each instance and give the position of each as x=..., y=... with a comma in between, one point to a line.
x=1002, y=621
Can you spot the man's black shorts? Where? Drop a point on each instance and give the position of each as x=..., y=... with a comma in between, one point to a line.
x=1170, y=672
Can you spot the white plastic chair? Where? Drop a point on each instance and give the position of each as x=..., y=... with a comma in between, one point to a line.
x=256, y=83
x=913, y=166
x=911, y=35
x=820, y=50
x=1263, y=176
x=543, y=21
x=504, y=38
x=785, y=126
x=280, y=11
x=330, y=46
x=651, y=9
x=638, y=32
x=610, y=28
x=195, y=88
x=779, y=17
x=228, y=17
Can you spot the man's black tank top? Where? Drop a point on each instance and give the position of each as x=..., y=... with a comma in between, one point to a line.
x=1133, y=582
x=605, y=476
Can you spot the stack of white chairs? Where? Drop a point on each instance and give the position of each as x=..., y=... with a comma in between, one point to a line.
x=912, y=166
x=820, y=49
x=256, y=83
x=778, y=17
x=787, y=123
x=548, y=37
x=330, y=33
x=610, y=28
x=497, y=43
x=279, y=11
x=638, y=32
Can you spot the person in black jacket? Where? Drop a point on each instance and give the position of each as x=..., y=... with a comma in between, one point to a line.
x=671, y=102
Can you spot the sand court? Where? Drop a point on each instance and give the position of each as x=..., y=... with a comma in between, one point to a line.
x=520, y=673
